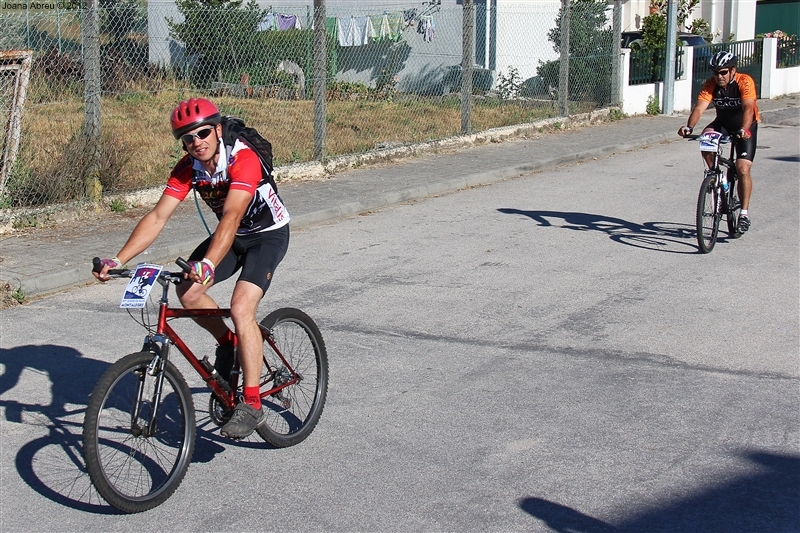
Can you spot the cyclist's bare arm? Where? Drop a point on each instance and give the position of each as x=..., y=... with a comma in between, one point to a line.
x=232, y=212
x=694, y=117
x=145, y=232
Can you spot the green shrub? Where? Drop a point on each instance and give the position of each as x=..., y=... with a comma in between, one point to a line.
x=653, y=106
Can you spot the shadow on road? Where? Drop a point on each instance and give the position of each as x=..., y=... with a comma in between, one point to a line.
x=52, y=464
x=669, y=237
x=766, y=500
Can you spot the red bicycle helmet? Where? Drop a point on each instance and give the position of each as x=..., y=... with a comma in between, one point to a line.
x=193, y=113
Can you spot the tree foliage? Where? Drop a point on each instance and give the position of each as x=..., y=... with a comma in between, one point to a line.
x=224, y=42
x=220, y=35
x=684, y=7
x=590, y=52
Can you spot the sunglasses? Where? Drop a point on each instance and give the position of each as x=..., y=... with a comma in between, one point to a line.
x=723, y=72
x=201, y=134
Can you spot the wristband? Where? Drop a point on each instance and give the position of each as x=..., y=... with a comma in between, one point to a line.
x=742, y=133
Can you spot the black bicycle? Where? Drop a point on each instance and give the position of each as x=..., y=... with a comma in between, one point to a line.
x=718, y=194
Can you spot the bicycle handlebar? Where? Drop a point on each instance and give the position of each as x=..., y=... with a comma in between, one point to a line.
x=127, y=272
x=725, y=139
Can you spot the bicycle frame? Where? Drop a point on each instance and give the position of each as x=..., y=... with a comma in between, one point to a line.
x=729, y=162
x=166, y=335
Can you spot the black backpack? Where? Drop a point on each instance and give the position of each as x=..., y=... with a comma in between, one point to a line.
x=234, y=128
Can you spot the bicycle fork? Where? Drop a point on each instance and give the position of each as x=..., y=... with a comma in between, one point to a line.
x=717, y=193
x=154, y=369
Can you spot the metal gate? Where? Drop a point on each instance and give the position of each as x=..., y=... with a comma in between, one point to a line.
x=750, y=55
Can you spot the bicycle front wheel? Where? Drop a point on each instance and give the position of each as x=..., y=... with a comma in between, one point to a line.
x=292, y=412
x=734, y=207
x=138, y=443
x=708, y=214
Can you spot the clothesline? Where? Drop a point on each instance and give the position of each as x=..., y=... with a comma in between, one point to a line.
x=359, y=30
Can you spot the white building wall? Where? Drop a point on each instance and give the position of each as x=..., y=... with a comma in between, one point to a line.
x=522, y=29
x=725, y=17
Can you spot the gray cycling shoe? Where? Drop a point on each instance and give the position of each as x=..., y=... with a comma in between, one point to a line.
x=744, y=224
x=243, y=422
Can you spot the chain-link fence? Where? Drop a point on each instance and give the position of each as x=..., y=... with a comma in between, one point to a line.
x=393, y=77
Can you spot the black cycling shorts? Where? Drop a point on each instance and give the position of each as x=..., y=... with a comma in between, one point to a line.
x=745, y=149
x=257, y=255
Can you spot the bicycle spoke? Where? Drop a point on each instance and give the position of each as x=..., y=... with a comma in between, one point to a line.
x=292, y=412
x=132, y=470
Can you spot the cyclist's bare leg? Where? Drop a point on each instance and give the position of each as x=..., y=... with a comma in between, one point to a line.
x=244, y=304
x=194, y=296
x=745, y=181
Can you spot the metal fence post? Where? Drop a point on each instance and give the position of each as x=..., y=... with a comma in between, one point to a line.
x=616, y=80
x=320, y=79
x=563, y=69
x=91, y=94
x=467, y=53
x=669, y=58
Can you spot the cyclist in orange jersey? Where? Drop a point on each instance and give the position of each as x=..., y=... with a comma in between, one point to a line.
x=734, y=96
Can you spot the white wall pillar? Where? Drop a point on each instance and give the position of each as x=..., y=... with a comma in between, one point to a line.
x=770, y=59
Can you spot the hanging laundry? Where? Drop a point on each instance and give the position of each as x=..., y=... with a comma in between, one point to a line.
x=427, y=28
x=331, y=26
x=396, y=24
x=354, y=31
x=380, y=24
x=268, y=23
x=387, y=27
x=409, y=16
x=288, y=22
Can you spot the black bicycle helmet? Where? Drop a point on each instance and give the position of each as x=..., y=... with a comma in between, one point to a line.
x=722, y=59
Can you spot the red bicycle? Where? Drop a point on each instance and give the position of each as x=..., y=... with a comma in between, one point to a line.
x=139, y=428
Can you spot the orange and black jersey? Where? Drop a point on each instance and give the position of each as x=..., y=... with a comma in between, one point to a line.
x=728, y=100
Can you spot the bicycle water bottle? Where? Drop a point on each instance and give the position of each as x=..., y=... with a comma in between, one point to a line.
x=725, y=184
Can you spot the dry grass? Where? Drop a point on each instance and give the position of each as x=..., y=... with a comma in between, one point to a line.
x=139, y=151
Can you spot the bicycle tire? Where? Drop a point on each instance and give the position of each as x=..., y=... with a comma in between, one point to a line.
x=134, y=472
x=708, y=215
x=292, y=414
x=734, y=206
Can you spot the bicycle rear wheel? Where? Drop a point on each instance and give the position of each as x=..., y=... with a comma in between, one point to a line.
x=708, y=214
x=734, y=207
x=134, y=461
x=292, y=413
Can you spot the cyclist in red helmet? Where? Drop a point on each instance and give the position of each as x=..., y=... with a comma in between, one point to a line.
x=734, y=97
x=251, y=238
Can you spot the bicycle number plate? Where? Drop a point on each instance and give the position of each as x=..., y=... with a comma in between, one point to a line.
x=140, y=285
x=709, y=142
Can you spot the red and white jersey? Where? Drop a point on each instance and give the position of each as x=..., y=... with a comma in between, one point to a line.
x=241, y=171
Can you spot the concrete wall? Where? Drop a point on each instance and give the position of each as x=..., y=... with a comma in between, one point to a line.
x=777, y=81
x=635, y=97
x=774, y=82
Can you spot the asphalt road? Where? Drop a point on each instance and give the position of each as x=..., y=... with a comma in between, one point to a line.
x=548, y=353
